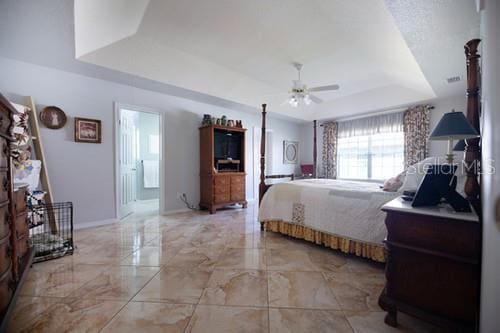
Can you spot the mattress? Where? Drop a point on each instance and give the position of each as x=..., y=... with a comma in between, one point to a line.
x=350, y=209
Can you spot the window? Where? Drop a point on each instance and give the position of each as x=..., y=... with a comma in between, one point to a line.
x=376, y=156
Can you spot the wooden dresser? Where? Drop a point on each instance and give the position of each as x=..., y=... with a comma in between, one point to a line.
x=222, y=167
x=15, y=253
x=433, y=265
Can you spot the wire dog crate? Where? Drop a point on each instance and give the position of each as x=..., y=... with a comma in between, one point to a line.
x=51, y=230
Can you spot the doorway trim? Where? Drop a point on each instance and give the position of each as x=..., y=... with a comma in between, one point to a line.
x=116, y=146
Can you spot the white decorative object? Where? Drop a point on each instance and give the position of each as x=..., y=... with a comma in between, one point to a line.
x=290, y=152
x=29, y=174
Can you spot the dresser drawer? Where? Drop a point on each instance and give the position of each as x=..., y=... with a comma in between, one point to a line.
x=6, y=289
x=454, y=237
x=5, y=254
x=4, y=220
x=22, y=228
x=4, y=153
x=4, y=186
x=20, y=199
x=22, y=247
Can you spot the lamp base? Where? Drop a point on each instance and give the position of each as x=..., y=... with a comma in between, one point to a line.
x=449, y=159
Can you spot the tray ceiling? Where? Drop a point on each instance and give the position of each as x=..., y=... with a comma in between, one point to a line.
x=382, y=53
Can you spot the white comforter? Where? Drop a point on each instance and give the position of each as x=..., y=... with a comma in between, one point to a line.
x=345, y=208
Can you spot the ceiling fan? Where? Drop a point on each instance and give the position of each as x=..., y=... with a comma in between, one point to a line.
x=300, y=94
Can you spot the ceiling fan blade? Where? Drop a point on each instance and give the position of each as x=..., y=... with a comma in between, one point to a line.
x=315, y=99
x=324, y=88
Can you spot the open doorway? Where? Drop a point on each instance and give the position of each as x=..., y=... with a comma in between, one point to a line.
x=138, y=159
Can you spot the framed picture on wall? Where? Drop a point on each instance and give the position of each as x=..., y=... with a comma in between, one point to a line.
x=87, y=130
x=290, y=152
x=53, y=117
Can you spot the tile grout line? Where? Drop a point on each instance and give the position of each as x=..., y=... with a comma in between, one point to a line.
x=127, y=302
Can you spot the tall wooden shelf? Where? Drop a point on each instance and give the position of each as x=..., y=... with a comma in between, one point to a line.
x=222, y=167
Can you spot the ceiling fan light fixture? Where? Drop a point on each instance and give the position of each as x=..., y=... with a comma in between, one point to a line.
x=307, y=100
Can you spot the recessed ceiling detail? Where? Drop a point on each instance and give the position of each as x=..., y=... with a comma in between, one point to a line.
x=242, y=51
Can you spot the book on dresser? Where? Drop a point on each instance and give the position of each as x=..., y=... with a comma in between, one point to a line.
x=222, y=167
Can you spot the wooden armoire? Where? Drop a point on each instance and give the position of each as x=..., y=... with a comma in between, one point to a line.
x=222, y=167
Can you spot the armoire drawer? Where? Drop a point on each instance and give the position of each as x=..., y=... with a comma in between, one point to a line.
x=221, y=181
x=222, y=198
x=4, y=220
x=5, y=254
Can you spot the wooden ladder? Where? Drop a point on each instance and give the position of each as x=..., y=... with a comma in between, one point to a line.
x=29, y=103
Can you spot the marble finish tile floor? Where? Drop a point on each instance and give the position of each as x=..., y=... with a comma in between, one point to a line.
x=196, y=272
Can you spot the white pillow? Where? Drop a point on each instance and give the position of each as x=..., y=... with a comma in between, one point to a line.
x=394, y=184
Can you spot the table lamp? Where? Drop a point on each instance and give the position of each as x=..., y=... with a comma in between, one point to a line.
x=453, y=126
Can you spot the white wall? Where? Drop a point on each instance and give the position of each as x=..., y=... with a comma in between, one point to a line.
x=490, y=288
x=84, y=173
x=436, y=148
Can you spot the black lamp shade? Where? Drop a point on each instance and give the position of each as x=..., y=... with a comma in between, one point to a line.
x=453, y=125
x=460, y=146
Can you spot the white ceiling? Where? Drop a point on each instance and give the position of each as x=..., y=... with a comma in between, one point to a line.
x=383, y=54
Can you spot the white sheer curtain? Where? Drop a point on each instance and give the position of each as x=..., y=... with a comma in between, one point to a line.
x=386, y=123
x=371, y=147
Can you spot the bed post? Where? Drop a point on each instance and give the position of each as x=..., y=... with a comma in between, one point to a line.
x=315, y=150
x=472, y=149
x=262, y=185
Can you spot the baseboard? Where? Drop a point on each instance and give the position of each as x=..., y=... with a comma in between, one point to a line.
x=176, y=211
x=93, y=224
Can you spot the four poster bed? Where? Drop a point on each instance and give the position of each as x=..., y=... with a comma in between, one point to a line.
x=339, y=214
x=346, y=215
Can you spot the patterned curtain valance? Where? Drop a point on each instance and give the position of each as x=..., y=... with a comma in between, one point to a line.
x=329, y=158
x=416, y=133
x=391, y=122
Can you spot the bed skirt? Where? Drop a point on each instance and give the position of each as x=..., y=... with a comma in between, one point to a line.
x=371, y=251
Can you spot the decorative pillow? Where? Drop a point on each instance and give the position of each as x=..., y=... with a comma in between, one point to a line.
x=393, y=184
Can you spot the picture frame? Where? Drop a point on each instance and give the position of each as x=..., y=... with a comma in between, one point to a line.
x=290, y=152
x=88, y=130
x=53, y=117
